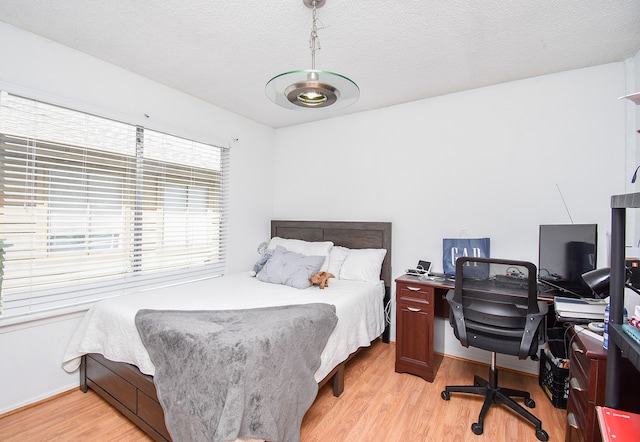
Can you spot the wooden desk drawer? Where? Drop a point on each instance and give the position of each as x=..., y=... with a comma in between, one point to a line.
x=579, y=380
x=579, y=391
x=414, y=292
x=588, y=366
x=577, y=403
x=580, y=362
x=414, y=339
x=576, y=423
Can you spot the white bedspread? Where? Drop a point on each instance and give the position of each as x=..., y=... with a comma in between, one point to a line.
x=108, y=327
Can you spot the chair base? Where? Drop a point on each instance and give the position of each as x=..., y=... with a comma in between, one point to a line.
x=495, y=394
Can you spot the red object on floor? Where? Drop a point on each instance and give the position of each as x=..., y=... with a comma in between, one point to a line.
x=618, y=425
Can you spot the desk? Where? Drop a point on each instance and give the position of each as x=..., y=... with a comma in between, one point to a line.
x=418, y=301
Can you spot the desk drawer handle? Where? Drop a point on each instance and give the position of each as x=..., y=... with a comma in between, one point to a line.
x=571, y=419
x=413, y=289
x=413, y=309
x=576, y=348
x=575, y=384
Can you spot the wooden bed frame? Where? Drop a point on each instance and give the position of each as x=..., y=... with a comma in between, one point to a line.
x=134, y=393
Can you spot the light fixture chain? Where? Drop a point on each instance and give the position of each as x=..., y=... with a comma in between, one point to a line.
x=311, y=88
x=314, y=41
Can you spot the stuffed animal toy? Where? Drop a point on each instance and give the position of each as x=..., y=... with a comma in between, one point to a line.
x=265, y=255
x=321, y=279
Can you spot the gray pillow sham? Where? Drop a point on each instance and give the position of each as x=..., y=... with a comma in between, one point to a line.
x=290, y=268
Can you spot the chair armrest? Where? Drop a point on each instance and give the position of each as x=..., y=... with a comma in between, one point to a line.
x=531, y=330
x=456, y=318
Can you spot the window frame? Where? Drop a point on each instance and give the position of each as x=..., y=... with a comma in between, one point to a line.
x=78, y=295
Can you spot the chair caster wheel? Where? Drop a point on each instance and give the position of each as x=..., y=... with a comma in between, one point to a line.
x=477, y=428
x=445, y=395
x=530, y=403
x=542, y=435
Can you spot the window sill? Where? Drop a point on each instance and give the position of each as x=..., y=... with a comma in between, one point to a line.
x=14, y=323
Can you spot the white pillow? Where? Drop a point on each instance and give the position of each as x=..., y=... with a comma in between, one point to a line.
x=363, y=265
x=306, y=248
x=336, y=259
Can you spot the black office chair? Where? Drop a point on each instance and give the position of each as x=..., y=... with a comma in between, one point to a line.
x=495, y=307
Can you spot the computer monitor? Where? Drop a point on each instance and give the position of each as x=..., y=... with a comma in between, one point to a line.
x=566, y=251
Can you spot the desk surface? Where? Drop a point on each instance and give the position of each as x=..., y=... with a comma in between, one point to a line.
x=436, y=282
x=449, y=284
x=442, y=285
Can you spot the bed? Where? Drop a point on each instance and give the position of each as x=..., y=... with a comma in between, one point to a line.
x=126, y=380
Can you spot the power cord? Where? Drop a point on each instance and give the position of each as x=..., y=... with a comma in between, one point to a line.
x=388, y=308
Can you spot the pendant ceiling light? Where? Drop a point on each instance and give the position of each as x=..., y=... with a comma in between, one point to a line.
x=311, y=88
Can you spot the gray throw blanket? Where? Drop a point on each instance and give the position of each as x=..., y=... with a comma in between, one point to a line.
x=225, y=374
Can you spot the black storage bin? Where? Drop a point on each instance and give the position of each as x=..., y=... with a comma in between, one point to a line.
x=554, y=368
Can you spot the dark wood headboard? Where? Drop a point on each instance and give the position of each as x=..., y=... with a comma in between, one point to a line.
x=351, y=234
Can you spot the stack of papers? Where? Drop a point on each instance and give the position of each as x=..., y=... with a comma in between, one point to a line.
x=574, y=308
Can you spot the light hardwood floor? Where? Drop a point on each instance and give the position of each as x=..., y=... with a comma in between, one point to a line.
x=377, y=405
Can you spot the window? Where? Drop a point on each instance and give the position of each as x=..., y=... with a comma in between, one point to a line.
x=92, y=207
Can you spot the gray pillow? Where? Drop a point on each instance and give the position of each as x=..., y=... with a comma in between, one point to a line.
x=290, y=268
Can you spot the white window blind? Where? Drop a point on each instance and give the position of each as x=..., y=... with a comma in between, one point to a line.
x=93, y=207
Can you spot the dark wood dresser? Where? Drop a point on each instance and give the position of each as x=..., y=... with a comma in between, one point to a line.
x=587, y=374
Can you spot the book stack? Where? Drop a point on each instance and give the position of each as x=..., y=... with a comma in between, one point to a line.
x=579, y=309
x=632, y=332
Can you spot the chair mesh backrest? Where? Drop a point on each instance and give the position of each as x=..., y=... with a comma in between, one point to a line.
x=496, y=304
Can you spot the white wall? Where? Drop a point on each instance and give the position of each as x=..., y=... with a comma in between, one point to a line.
x=31, y=352
x=485, y=162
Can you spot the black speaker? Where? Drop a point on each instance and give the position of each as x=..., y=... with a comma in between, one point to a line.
x=579, y=258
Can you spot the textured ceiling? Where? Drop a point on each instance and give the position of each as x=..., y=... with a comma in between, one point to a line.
x=395, y=50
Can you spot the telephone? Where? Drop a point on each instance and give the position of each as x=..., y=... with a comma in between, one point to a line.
x=422, y=269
